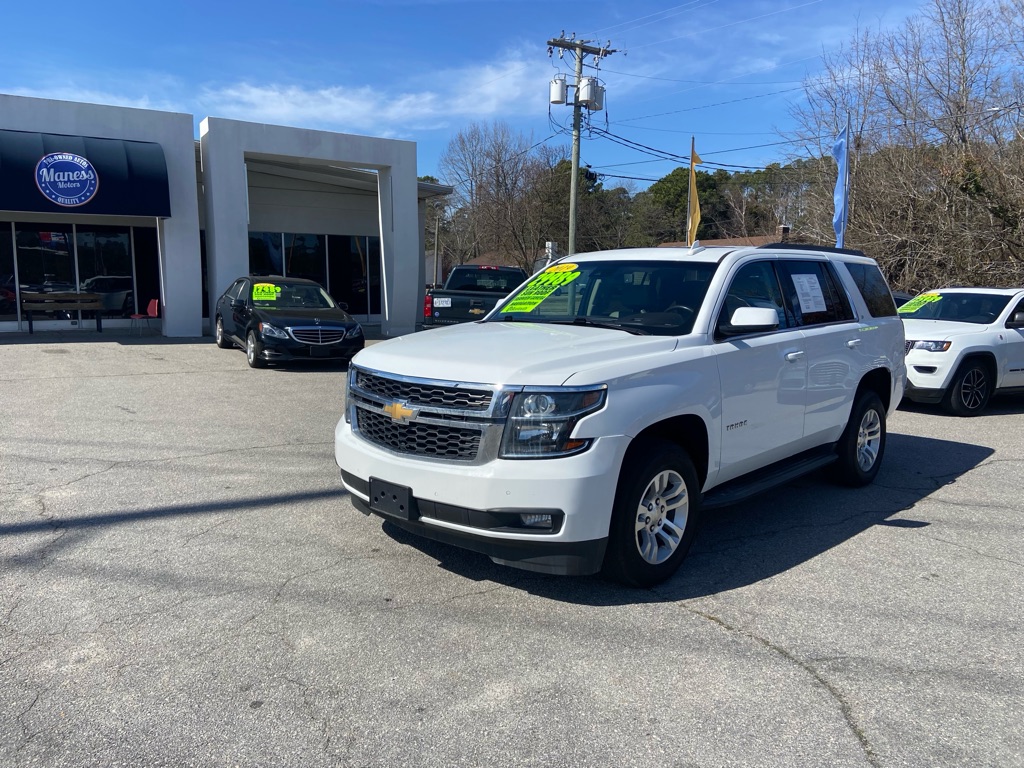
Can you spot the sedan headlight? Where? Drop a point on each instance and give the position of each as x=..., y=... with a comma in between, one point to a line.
x=932, y=346
x=355, y=332
x=541, y=422
x=272, y=331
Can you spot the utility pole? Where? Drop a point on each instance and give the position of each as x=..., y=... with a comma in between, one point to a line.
x=591, y=98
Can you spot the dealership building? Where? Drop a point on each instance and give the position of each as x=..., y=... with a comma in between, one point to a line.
x=125, y=204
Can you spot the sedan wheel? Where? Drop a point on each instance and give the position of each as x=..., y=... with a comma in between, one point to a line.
x=253, y=351
x=222, y=341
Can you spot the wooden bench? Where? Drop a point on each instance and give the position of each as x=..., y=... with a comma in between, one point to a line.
x=62, y=302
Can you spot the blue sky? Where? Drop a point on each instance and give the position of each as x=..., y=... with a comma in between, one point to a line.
x=724, y=71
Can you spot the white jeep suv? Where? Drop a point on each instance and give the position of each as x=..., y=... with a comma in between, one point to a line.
x=963, y=345
x=587, y=422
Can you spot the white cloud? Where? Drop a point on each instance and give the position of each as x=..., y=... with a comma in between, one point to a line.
x=423, y=101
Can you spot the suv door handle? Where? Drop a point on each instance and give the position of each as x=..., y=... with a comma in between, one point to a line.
x=794, y=356
x=853, y=343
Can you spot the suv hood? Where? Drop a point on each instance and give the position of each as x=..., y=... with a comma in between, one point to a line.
x=508, y=353
x=939, y=330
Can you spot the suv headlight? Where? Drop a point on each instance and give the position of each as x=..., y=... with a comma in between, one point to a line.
x=541, y=422
x=273, y=331
x=932, y=346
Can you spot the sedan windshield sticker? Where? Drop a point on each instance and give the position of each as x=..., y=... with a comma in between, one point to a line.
x=919, y=301
x=808, y=290
x=265, y=292
x=541, y=286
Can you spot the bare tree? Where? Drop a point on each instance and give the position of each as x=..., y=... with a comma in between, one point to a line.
x=934, y=146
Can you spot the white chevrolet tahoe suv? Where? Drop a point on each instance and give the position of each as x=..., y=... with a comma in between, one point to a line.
x=963, y=345
x=587, y=422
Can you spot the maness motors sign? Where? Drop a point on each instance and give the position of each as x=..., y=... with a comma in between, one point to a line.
x=66, y=179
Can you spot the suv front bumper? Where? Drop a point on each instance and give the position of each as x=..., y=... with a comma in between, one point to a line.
x=469, y=505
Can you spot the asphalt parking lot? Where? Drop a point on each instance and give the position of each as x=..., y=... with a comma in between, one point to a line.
x=184, y=583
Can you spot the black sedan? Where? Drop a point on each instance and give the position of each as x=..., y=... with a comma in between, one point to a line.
x=278, y=319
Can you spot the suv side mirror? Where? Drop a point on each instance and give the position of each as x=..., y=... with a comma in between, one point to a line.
x=750, y=320
x=1016, y=320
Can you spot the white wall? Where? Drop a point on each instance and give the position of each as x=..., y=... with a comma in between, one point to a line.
x=225, y=146
x=180, y=265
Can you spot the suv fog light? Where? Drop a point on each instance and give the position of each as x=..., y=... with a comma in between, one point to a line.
x=535, y=521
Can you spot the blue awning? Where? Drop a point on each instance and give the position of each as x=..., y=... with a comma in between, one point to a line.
x=52, y=173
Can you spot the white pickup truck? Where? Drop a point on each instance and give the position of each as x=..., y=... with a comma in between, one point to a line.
x=589, y=420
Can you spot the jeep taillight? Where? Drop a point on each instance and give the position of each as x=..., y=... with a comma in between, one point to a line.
x=427, y=305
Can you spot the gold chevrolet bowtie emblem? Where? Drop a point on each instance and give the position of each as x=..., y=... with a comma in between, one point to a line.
x=399, y=413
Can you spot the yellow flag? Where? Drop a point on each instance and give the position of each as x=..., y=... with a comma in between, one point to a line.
x=693, y=213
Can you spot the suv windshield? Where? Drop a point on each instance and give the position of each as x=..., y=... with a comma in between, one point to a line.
x=655, y=297
x=285, y=295
x=979, y=308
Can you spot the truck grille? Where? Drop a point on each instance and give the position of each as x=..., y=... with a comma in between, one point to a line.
x=424, y=394
x=419, y=438
x=317, y=335
x=427, y=418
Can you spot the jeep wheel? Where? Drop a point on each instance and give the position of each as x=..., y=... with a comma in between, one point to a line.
x=971, y=388
x=253, y=351
x=655, y=516
x=222, y=341
x=861, y=447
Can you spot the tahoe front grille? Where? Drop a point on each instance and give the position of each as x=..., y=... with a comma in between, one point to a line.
x=433, y=419
x=419, y=438
x=423, y=393
x=317, y=335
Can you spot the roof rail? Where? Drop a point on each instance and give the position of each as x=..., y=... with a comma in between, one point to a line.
x=808, y=247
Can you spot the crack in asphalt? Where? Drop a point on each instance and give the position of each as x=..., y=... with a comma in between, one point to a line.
x=29, y=735
x=284, y=585
x=845, y=707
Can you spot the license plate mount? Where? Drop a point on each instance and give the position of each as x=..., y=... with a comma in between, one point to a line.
x=392, y=500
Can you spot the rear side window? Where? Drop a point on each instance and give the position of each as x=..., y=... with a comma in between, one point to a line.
x=814, y=294
x=873, y=288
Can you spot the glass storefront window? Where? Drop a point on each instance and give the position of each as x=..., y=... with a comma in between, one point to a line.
x=305, y=256
x=8, y=288
x=46, y=262
x=105, y=267
x=147, y=266
x=265, y=256
x=346, y=258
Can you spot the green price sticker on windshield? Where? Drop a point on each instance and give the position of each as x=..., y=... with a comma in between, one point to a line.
x=542, y=286
x=919, y=301
x=265, y=292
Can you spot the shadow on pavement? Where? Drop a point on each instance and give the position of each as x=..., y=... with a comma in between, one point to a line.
x=757, y=539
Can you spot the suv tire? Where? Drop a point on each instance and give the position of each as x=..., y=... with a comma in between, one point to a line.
x=655, y=515
x=971, y=388
x=862, y=445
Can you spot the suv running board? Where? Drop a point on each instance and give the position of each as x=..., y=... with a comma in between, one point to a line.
x=770, y=477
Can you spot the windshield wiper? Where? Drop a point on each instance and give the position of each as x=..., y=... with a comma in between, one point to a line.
x=595, y=324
